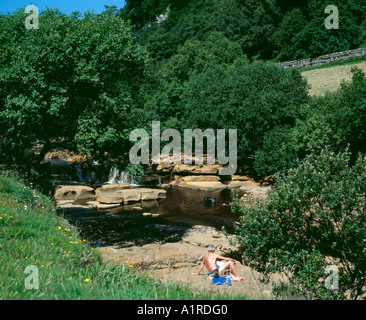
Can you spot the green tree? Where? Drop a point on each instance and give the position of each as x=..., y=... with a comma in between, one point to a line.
x=194, y=58
x=351, y=111
x=314, y=217
x=292, y=23
x=252, y=98
x=315, y=40
x=75, y=80
x=316, y=126
x=278, y=152
x=335, y=121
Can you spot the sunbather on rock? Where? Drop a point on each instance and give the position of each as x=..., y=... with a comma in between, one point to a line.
x=216, y=270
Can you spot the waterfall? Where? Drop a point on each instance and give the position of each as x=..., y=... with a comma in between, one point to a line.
x=119, y=177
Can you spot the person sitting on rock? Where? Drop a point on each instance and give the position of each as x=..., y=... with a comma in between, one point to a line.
x=210, y=261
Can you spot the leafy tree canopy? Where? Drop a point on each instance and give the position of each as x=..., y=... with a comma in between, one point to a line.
x=75, y=79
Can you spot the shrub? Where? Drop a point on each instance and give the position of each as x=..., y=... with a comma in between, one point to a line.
x=351, y=114
x=314, y=217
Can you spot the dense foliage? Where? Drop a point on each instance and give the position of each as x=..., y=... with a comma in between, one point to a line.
x=264, y=29
x=86, y=81
x=335, y=121
x=74, y=80
x=314, y=217
x=210, y=84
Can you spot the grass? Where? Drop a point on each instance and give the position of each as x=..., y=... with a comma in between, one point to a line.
x=328, y=78
x=31, y=234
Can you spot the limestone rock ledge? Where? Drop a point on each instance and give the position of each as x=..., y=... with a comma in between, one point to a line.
x=74, y=192
x=107, y=194
x=124, y=194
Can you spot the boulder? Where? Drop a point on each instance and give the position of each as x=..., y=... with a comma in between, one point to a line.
x=184, y=168
x=74, y=192
x=164, y=168
x=98, y=205
x=207, y=169
x=151, y=194
x=109, y=198
x=210, y=169
x=132, y=195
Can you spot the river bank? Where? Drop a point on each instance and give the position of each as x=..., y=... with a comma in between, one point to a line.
x=47, y=259
x=167, y=239
x=175, y=263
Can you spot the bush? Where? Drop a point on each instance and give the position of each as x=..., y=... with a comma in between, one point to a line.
x=351, y=109
x=314, y=217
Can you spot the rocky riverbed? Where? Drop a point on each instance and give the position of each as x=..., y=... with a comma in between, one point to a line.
x=162, y=227
x=176, y=252
x=175, y=262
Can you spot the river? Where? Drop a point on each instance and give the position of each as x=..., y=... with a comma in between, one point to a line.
x=165, y=220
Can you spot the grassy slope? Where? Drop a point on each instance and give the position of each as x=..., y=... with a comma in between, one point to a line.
x=328, y=77
x=31, y=234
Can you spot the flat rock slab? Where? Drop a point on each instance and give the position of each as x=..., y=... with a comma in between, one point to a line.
x=74, y=192
x=200, y=178
x=202, y=185
x=236, y=184
x=212, y=169
x=130, y=195
x=191, y=247
x=236, y=177
x=175, y=262
x=108, y=188
x=99, y=205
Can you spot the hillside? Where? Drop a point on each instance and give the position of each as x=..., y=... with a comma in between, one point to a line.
x=265, y=29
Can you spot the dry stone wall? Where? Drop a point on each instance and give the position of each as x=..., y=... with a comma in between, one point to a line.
x=324, y=59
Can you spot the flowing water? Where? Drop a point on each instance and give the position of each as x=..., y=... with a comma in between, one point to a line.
x=164, y=220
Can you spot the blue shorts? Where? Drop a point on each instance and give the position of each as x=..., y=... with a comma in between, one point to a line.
x=215, y=273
